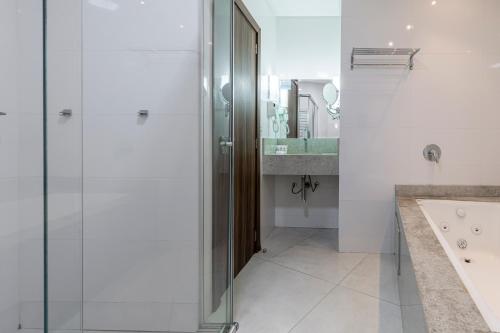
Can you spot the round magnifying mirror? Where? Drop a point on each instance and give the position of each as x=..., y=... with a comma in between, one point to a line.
x=226, y=92
x=330, y=93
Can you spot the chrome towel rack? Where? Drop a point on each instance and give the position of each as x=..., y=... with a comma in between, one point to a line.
x=383, y=57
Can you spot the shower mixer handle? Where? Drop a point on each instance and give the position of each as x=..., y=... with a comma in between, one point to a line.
x=432, y=153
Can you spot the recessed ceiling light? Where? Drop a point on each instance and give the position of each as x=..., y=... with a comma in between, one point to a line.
x=390, y=44
x=434, y=2
x=409, y=27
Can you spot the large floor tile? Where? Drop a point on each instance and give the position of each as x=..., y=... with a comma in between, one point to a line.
x=323, y=238
x=271, y=298
x=376, y=276
x=320, y=262
x=345, y=310
x=281, y=239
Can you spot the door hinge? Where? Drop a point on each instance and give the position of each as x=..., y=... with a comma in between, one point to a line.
x=256, y=48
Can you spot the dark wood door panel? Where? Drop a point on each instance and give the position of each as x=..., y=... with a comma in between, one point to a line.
x=246, y=158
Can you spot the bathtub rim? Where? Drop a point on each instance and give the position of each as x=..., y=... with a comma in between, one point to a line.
x=486, y=311
x=455, y=311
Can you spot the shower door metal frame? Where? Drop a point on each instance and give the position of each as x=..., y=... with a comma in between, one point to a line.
x=45, y=173
x=207, y=89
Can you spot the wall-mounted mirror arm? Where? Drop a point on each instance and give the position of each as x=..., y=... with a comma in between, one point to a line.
x=331, y=96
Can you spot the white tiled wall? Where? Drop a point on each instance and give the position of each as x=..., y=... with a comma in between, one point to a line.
x=308, y=47
x=389, y=115
x=9, y=228
x=320, y=211
x=141, y=175
x=126, y=186
x=64, y=166
x=20, y=146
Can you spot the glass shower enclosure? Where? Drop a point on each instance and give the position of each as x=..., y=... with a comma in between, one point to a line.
x=100, y=226
x=22, y=178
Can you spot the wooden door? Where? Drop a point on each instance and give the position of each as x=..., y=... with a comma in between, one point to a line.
x=245, y=137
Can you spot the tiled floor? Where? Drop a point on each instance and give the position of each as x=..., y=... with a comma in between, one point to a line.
x=303, y=284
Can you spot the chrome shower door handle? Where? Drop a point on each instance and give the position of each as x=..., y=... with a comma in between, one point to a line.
x=224, y=142
x=66, y=113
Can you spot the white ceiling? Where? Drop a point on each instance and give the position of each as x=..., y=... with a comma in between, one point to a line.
x=305, y=7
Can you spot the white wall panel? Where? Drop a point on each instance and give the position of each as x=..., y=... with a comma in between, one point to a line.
x=389, y=115
x=308, y=47
x=320, y=211
x=141, y=174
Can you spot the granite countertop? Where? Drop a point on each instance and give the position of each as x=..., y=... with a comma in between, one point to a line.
x=447, y=305
x=314, y=165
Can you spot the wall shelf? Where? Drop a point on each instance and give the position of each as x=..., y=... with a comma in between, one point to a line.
x=383, y=57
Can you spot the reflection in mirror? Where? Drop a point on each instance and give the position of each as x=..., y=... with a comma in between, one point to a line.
x=306, y=108
x=330, y=93
x=307, y=116
x=226, y=93
x=331, y=96
x=280, y=113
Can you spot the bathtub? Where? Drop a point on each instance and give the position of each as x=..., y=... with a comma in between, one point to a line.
x=469, y=232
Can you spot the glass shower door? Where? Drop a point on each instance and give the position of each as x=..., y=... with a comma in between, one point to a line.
x=21, y=167
x=218, y=168
x=124, y=191
x=63, y=130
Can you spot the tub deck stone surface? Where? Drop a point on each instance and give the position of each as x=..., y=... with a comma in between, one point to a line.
x=447, y=305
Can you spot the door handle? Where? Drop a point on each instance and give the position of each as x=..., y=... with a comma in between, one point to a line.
x=3, y=114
